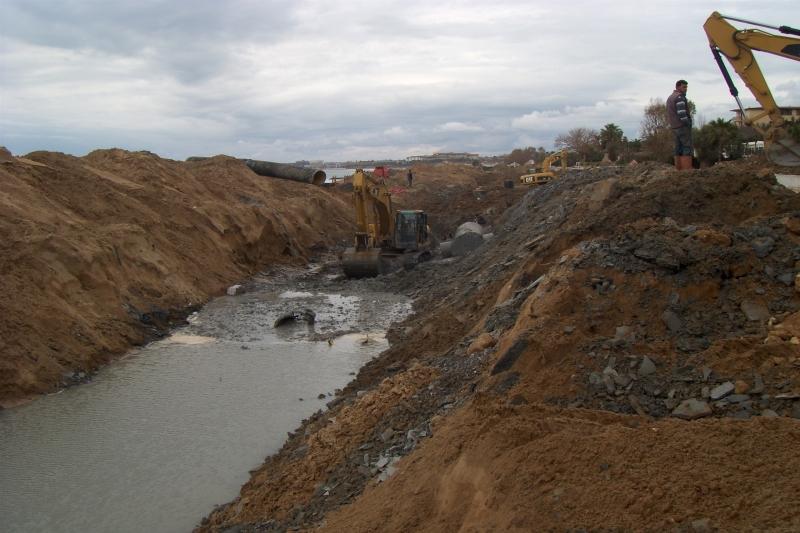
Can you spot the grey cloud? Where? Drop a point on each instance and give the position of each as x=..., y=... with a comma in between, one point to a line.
x=191, y=41
x=128, y=27
x=319, y=79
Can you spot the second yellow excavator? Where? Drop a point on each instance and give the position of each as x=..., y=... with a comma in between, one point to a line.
x=546, y=174
x=385, y=239
x=738, y=46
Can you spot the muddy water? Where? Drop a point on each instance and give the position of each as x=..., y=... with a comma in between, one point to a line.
x=160, y=437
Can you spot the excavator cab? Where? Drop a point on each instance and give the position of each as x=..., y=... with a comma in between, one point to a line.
x=410, y=230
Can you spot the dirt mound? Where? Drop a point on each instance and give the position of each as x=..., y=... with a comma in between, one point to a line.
x=104, y=251
x=565, y=358
x=500, y=467
x=5, y=155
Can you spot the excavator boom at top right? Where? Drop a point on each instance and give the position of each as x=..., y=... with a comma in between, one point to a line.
x=737, y=46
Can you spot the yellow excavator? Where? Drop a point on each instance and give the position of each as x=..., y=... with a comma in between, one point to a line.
x=546, y=174
x=738, y=46
x=386, y=239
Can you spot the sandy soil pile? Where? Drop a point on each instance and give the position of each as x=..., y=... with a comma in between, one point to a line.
x=101, y=252
x=624, y=355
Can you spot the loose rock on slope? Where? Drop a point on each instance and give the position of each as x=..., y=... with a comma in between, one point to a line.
x=555, y=426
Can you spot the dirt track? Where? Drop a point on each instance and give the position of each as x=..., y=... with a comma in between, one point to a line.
x=538, y=386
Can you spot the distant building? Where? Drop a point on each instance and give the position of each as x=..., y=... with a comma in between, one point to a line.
x=309, y=164
x=752, y=147
x=788, y=113
x=443, y=157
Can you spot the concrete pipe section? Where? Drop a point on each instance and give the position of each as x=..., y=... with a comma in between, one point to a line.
x=280, y=170
x=468, y=237
x=287, y=172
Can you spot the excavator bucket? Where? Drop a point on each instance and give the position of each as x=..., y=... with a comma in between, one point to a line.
x=784, y=152
x=362, y=263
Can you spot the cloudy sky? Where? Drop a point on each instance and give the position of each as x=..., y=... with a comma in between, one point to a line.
x=284, y=80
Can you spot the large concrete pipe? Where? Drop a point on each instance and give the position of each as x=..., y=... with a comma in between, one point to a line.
x=287, y=172
x=280, y=170
x=468, y=237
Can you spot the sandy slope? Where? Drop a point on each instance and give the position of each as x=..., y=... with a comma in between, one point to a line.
x=100, y=252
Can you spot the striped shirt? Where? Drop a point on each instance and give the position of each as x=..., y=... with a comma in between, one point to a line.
x=678, y=110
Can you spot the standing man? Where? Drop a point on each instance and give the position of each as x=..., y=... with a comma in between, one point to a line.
x=410, y=177
x=680, y=120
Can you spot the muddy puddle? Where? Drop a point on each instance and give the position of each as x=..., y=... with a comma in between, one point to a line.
x=158, y=438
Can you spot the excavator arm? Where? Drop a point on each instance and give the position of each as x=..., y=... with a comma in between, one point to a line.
x=738, y=46
x=557, y=157
x=375, y=225
x=373, y=207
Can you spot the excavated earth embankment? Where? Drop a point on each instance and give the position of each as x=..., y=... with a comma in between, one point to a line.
x=102, y=252
x=624, y=355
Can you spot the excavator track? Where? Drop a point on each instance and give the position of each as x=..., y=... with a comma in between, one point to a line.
x=371, y=263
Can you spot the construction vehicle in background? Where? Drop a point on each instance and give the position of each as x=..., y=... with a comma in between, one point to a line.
x=546, y=173
x=386, y=239
x=738, y=46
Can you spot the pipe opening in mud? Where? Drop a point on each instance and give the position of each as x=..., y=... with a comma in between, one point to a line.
x=319, y=177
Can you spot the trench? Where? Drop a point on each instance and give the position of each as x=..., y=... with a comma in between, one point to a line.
x=160, y=437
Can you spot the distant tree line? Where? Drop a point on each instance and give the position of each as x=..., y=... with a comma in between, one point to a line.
x=713, y=141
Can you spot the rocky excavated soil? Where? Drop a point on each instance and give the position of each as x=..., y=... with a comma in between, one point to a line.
x=624, y=355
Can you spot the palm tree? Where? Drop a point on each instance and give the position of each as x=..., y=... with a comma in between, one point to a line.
x=713, y=138
x=611, y=140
